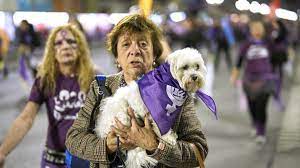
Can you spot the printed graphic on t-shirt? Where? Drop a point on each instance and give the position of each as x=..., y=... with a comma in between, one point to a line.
x=66, y=101
x=256, y=52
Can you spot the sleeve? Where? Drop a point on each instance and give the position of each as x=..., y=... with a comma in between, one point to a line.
x=241, y=55
x=36, y=93
x=189, y=131
x=82, y=142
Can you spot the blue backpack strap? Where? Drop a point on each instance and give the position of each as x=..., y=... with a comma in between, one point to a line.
x=101, y=83
x=73, y=161
x=68, y=159
x=100, y=79
x=103, y=91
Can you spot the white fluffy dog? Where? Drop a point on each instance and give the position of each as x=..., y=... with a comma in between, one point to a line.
x=186, y=66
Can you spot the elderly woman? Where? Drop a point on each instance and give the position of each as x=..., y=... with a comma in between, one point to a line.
x=63, y=80
x=135, y=43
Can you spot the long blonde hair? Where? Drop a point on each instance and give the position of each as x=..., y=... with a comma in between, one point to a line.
x=48, y=69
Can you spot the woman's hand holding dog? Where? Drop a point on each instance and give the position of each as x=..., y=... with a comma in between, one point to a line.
x=111, y=142
x=136, y=135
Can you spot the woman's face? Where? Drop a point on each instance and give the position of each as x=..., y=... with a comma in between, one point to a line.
x=135, y=53
x=65, y=47
x=257, y=30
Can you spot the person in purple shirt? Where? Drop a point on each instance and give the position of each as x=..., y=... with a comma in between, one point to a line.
x=62, y=82
x=254, y=58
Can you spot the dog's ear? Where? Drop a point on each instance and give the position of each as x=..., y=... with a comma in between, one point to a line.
x=172, y=60
x=203, y=66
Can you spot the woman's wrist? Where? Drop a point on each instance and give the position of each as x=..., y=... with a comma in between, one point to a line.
x=153, y=146
x=160, y=146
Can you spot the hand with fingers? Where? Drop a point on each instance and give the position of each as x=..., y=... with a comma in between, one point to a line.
x=111, y=140
x=141, y=136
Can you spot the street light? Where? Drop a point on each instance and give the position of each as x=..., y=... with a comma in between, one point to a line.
x=46, y=18
x=264, y=9
x=286, y=14
x=177, y=16
x=254, y=7
x=214, y=2
x=242, y=5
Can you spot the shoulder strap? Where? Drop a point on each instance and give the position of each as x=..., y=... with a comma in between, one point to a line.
x=198, y=155
x=103, y=91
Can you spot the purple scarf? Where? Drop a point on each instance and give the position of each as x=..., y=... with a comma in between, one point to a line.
x=164, y=97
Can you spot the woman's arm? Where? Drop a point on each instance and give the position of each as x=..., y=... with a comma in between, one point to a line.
x=189, y=131
x=241, y=57
x=80, y=140
x=19, y=128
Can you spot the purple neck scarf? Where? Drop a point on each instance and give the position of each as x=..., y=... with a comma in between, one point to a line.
x=164, y=97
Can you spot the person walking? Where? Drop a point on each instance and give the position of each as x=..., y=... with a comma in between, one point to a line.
x=258, y=80
x=62, y=82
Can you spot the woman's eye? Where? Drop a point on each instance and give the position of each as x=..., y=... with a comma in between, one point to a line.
x=125, y=44
x=71, y=41
x=143, y=44
x=58, y=42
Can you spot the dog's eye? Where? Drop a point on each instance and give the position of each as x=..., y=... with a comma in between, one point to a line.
x=197, y=66
x=185, y=67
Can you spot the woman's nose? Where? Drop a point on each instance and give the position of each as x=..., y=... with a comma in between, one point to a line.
x=65, y=44
x=135, y=49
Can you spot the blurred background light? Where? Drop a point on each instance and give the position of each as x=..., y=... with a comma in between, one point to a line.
x=156, y=18
x=2, y=19
x=91, y=20
x=254, y=7
x=214, y=2
x=264, y=9
x=286, y=14
x=242, y=5
x=49, y=19
x=177, y=16
x=114, y=18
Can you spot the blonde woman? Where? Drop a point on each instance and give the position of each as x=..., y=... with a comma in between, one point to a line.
x=62, y=83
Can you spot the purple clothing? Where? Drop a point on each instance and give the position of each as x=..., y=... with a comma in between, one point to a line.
x=256, y=55
x=164, y=97
x=62, y=107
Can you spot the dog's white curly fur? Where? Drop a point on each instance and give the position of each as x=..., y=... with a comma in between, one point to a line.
x=187, y=67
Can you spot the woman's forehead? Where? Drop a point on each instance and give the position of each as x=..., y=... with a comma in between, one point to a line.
x=64, y=34
x=135, y=35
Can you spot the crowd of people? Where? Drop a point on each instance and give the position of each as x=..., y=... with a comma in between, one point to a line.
x=64, y=81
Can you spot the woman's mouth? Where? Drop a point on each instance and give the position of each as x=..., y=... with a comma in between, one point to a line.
x=136, y=64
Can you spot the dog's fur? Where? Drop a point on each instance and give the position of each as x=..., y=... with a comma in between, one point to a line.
x=186, y=66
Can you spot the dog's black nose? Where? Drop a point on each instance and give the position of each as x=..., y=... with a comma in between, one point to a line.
x=194, y=77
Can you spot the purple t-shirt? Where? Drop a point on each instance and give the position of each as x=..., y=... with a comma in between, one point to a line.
x=256, y=55
x=62, y=107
